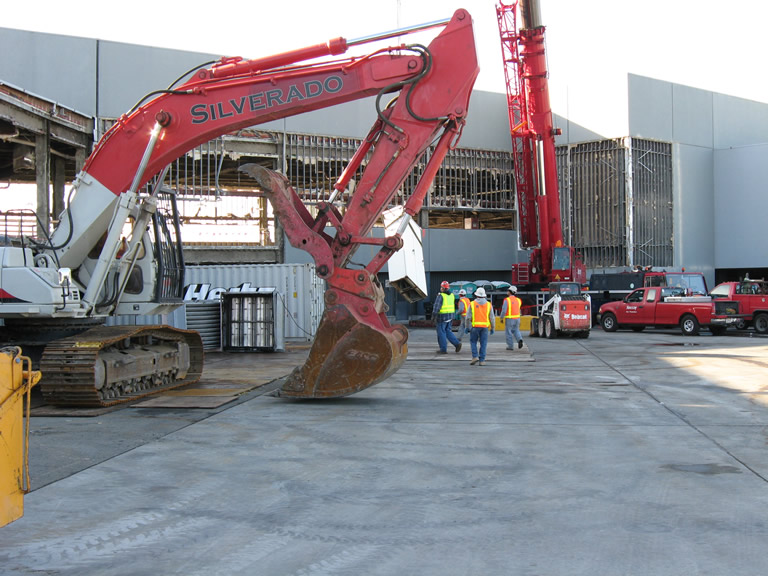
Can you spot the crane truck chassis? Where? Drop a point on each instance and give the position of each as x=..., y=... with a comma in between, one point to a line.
x=88, y=270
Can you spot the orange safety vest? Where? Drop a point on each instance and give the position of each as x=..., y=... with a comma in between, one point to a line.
x=466, y=305
x=513, y=307
x=481, y=315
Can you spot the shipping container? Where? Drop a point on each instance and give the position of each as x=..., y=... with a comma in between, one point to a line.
x=299, y=291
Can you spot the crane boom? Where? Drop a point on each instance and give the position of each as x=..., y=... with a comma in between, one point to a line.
x=533, y=145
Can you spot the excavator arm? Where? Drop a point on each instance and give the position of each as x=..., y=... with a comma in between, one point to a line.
x=430, y=88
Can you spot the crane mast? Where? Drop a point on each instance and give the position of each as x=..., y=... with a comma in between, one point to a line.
x=533, y=147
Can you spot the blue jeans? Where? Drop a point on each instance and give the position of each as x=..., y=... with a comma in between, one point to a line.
x=512, y=331
x=482, y=335
x=444, y=333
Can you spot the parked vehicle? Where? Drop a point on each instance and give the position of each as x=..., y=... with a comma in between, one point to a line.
x=567, y=311
x=612, y=286
x=752, y=296
x=668, y=306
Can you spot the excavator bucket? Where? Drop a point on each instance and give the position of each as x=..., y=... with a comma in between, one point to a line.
x=355, y=346
x=347, y=356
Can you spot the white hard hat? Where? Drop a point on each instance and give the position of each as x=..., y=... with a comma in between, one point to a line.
x=480, y=292
x=462, y=292
x=513, y=289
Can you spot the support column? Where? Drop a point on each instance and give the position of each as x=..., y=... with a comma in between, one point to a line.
x=629, y=199
x=59, y=183
x=43, y=179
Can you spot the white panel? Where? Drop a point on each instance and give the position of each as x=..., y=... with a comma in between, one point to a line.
x=692, y=113
x=694, y=211
x=55, y=67
x=741, y=205
x=650, y=109
x=739, y=122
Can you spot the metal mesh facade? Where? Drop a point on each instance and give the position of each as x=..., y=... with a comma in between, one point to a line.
x=617, y=201
x=470, y=180
x=616, y=195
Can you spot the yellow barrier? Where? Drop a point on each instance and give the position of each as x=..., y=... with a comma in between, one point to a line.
x=525, y=323
x=16, y=382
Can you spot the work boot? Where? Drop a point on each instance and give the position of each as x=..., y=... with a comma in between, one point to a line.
x=474, y=361
x=442, y=351
x=482, y=362
x=519, y=343
x=458, y=348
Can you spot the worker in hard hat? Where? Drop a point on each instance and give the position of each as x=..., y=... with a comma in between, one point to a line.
x=510, y=311
x=444, y=309
x=479, y=323
x=463, y=309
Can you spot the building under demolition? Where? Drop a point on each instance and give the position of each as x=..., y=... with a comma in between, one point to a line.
x=666, y=192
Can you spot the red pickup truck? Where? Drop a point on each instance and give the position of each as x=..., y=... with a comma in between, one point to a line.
x=666, y=306
x=752, y=296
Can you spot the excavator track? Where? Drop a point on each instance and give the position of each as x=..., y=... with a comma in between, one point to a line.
x=111, y=365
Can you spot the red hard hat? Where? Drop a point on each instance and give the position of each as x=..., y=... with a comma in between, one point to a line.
x=444, y=285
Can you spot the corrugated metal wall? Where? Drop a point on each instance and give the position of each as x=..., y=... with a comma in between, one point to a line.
x=616, y=201
x=301, y=291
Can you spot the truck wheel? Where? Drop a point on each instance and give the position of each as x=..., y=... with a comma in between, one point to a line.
x=761, y=323
x=540, y=327
x=608, y=322
x=689, y=325
x=549, y=328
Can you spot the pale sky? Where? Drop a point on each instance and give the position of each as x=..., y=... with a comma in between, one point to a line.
x=708, y=44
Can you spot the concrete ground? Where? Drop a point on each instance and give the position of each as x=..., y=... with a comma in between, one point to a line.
x=624, y=454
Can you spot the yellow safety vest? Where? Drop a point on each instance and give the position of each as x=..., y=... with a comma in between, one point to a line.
x=481, y=315
x=466, y=305
x=513, y=307
x=449, y=305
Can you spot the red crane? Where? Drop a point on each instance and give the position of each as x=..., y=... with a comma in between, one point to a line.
x=533, y=149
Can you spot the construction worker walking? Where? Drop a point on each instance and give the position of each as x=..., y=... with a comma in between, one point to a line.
x=463, y=309
x=510, y=311
x=479, y=323
x=445, y=308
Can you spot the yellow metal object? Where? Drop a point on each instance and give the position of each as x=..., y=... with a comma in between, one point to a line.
x=525, y=323
x=16, y=381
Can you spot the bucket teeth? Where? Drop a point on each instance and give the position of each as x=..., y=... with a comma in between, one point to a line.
x=346, y=357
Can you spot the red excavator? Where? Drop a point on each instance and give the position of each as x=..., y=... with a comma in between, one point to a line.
x=533, y=148
x=53, y=292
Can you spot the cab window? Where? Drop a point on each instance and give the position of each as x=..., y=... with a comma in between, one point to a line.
x=636, y=296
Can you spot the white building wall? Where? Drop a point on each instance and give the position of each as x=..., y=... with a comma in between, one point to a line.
x=741, y=206
x=694, y=219
x=56, y=67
